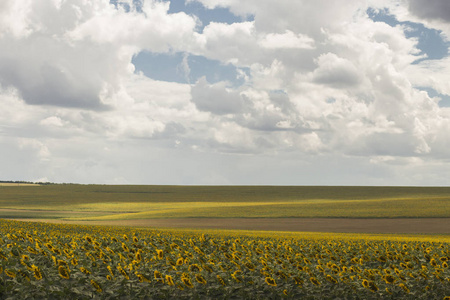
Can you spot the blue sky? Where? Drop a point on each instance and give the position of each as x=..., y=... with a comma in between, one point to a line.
x=430, y=42
x=169, y=66
x=225, y=92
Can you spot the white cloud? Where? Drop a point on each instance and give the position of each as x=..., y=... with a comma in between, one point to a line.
x=286, y=40
x=39, y=148
x=52, y=121
x=432, y=14
x=431, y=73
x=335, y=71
x=228, y=43
x=73, y=54
x=215, y=98
x=324, y=86
x=433, y=10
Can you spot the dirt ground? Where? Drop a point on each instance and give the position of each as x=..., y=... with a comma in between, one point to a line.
x=407, y=226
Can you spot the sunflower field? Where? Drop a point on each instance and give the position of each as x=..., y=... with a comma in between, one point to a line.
x=48, y=261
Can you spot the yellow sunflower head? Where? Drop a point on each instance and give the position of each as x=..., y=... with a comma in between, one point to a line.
x=63, y=272
x=270, y=281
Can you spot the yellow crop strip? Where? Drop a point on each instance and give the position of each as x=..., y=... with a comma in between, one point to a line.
x=107, y=202
x=375, y=208
x=48, y=261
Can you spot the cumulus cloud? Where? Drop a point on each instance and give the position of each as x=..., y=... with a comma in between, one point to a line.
x=215, y=98
x=325, y=81
x=431, y=10
x=335, y=71
x=432, y=14
x=76, y=54
x=286, y=40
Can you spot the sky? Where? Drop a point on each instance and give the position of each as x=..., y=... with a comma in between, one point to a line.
x=225, y=92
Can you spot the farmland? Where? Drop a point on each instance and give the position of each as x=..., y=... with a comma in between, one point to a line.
x=103, y=202
x=72, y=261
x=60, y=261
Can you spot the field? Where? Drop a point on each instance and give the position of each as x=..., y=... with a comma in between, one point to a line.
x=82, y=261
x=39, y=260
x=102, y=202
x=17, y=184
x=303, y=208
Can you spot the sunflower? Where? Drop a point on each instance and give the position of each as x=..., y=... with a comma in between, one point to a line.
x=169, y=280
x=110, y=270
x=138, y=256
x=49, y=246
x=37, y=272
x=199, y=278
x=97, y=286
x=433, y=262
x=270, y=281
x=382, y=259
x=61, y=263
x=250, y=266
x=160, y=253
x=370, y=285
x=197, y=249
x=365, y=283
x=85, y=271
x=125, y=247
x=135, y=239
x=187, y=282
x=298, y=280
x=195, y=268
x=208, y=268
x=234, y=276
x=221, y=281
x=180, y=261
x=331, y=279
x=123, y=272
x=404, y=287
x=389, y=279
x=63, y=272
x=158, y=276
x=314, y=281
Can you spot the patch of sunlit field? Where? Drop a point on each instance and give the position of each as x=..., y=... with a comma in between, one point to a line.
x=17, y=184
x=49, y=261
x=104, y=202
x=392, y=208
